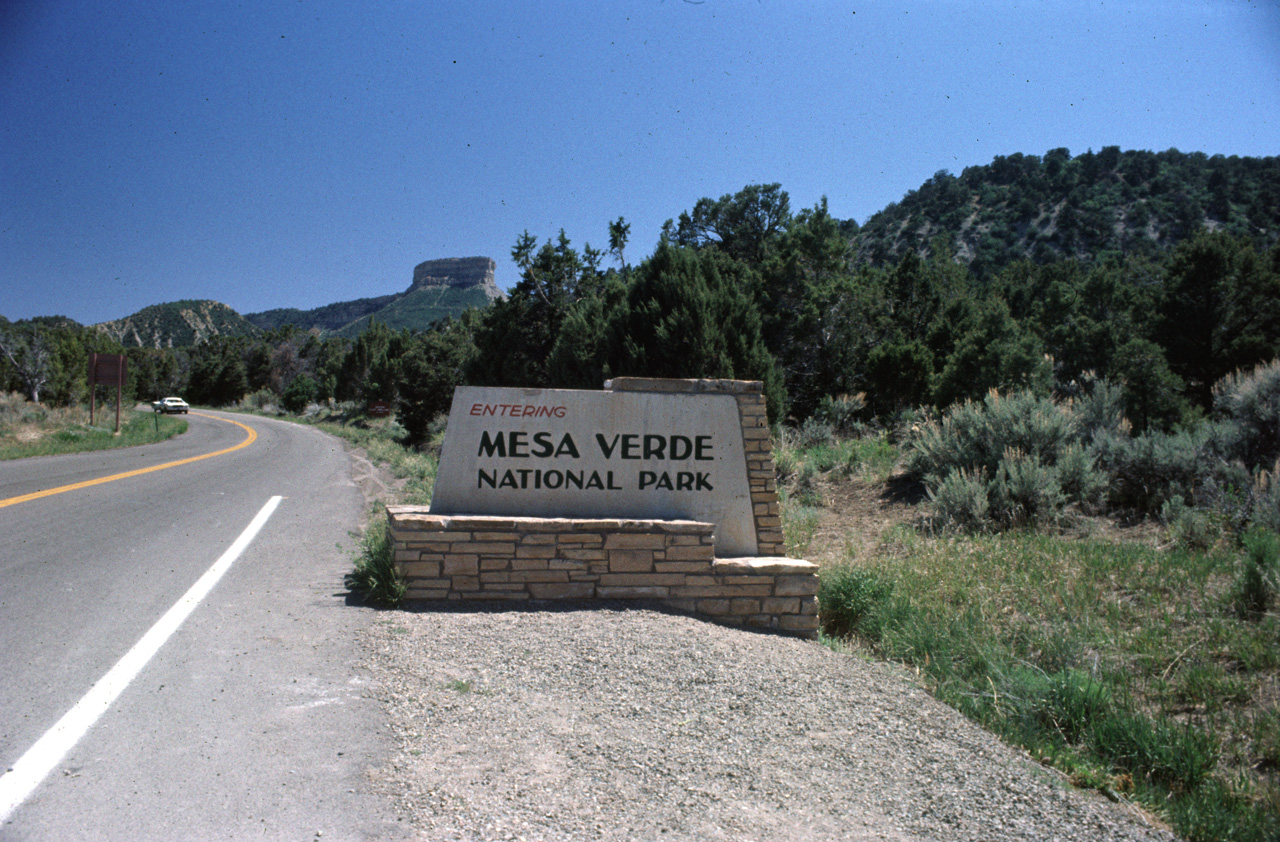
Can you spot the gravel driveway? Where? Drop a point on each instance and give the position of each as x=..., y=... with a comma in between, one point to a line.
x=616, y=722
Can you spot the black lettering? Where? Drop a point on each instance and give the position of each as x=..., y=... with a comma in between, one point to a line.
x=607, y=447
x=647, y=478
x=542, y=446
x=611, y=485
x=681, y=448
x=553, y=479
x=486, y=477
x=567, y=447
x=654, y=447
x=519, y=445
x=490, y=447
x=594, y=481
x=508, y=481
x=684, y=481
x=573, y=478
x=702, y=447
x=704, y=482
x=630, y=444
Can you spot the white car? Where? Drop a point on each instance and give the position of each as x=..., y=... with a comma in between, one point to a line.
x=169, y=405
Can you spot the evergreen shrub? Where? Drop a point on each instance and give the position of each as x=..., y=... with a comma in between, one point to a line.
x=300, y=392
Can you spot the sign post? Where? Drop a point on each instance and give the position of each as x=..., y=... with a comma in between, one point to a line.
x=107, y=369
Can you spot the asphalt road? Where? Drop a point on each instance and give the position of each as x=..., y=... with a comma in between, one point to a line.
x=252, y=720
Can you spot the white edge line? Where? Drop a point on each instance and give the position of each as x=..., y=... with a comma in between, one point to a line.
x=39, y=760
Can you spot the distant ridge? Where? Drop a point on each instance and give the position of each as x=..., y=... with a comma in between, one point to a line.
x=177, y=324
x=440, y=288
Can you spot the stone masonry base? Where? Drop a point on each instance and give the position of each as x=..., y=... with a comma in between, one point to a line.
x=474, y=557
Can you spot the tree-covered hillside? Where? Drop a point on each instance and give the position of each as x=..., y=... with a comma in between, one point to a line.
x=327, y=318
x=1087, y=206
x=179, y=323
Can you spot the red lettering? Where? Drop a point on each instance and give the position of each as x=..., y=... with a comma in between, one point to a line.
x=511, y=410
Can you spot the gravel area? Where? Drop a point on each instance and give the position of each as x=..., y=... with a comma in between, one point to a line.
x=616, y=722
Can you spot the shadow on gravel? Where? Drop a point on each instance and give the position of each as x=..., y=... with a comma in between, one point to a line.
x=558, y=606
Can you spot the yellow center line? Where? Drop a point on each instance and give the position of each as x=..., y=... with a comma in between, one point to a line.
x=36, y=495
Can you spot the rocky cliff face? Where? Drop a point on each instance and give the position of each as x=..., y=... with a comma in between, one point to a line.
x=458, y=272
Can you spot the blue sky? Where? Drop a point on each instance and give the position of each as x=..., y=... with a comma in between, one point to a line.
x=292, y=154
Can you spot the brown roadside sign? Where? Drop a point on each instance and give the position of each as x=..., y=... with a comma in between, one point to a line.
x=107, y=369
x=379, y=409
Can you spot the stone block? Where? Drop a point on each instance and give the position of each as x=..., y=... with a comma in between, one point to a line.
x=562, y=590
x=461, y=564
x=539, y=539
x=530, y=564
x=766, y=566
x=496, y=595
x=535, y=551
x=582, y=555
x=638, y=579
x=426, y=593
x=797, y=622
x=712, y=606
x=581, y=541
x=626, y=561
x=494, y=563
x=642, y=541
x=493, y=536
x=780, y=605
x=702, y=552
x=809, y=605
x=444, y=536
x=742, y=607
x=504, y=548
x=527, y=576
x=465, y=583
x=682, y=567
x=428, y=582
x=420, y=569
x=796, y=585
x=566, y=564
x=631, y=592
x=718, y=591
x=684, y=527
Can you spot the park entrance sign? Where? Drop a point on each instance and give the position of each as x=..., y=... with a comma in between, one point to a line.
x=581, y=454
x=650, y=489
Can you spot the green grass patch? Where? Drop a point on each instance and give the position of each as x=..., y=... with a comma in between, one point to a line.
x=799, y=525
x=1132, y=669
x=39, y=431
x=374, y=575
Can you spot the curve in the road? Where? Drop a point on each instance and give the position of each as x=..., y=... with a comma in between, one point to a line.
x=48, y=492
